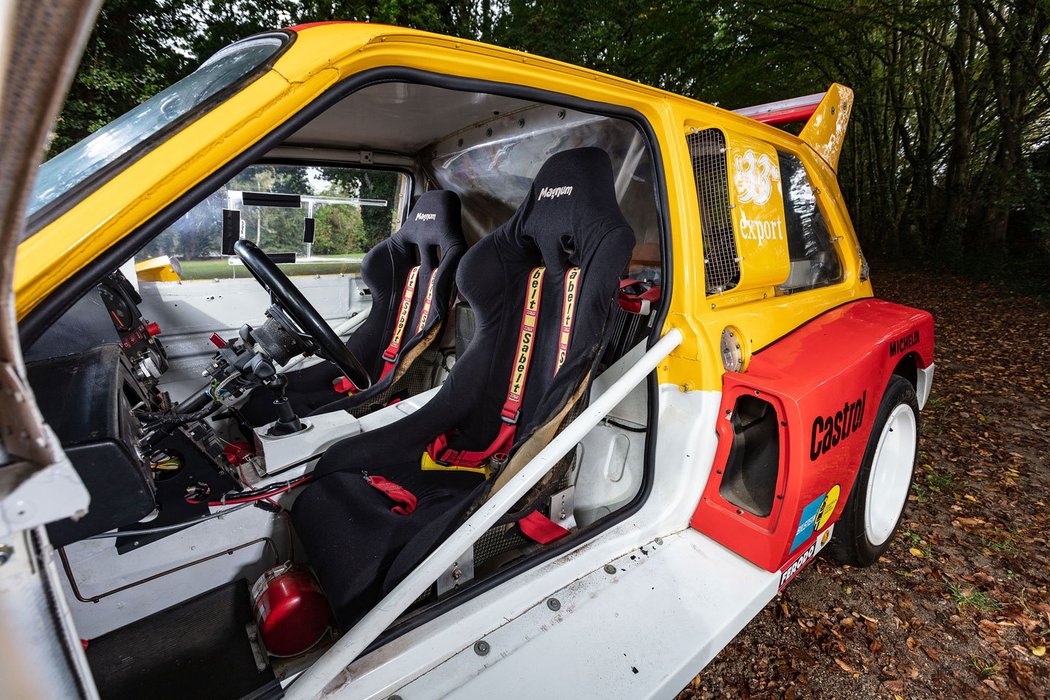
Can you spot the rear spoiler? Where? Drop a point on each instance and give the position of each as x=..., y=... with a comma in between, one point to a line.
x=793, y=111
x=826, y=116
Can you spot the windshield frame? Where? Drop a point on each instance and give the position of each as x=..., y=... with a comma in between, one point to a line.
x=66, y=201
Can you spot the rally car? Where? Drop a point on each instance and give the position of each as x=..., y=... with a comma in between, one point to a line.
x=368, y=362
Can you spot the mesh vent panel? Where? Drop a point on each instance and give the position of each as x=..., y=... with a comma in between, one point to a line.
x=707, y=149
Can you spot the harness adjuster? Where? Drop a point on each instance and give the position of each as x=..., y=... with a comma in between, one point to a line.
x=510, y=420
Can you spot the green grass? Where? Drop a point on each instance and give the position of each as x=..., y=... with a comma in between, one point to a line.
x=218, y=268
x=986, y=670
x=940, y=482
x=966, y=597
x=913, y=539
x=1004, y=546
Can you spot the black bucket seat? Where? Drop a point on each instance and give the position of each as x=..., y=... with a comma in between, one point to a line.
x=542, y=287
x=410, y=276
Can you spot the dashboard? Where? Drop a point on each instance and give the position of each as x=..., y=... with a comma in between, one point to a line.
x=107, y=314
x=95, y=374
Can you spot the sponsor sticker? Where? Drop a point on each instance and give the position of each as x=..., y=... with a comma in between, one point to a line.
x=791, y=569
x=899, y=345
x=816, y=515
x=829, y=431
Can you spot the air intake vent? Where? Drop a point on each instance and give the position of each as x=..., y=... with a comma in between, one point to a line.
x=707, y=149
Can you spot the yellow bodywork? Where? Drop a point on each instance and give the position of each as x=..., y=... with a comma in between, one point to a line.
x=826, y=129
x=159, y=269
x=324, y=55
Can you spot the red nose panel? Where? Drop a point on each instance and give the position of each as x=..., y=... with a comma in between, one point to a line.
x=823, y=384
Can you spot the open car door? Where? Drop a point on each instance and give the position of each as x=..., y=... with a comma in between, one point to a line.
x=40, y=655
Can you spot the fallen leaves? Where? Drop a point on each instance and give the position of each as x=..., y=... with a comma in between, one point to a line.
x=960, y=603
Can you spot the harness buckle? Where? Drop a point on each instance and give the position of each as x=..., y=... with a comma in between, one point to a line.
x=510, y=420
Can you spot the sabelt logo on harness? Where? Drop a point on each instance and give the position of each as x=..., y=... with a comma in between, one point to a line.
x=425, y=217
x=829, y=431
x=554, y=192
x=905, y=343
x=528, y=332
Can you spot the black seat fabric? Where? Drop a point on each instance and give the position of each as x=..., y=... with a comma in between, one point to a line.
x=358, y=547
x=432, y=238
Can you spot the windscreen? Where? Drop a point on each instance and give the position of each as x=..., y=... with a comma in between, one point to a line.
x=61, y=174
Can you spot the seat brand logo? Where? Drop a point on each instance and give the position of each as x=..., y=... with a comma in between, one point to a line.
x=901, y=344
x=554, y=192
x=426, y=217
x=829, y=431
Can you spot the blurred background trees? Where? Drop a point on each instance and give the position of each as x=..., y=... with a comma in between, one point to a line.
x=947, y=162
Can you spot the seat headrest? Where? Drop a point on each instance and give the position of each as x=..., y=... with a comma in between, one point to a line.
x=571, y=206
x=433, y=221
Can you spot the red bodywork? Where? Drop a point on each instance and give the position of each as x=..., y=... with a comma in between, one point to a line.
x=793, y=111
x=830, y=372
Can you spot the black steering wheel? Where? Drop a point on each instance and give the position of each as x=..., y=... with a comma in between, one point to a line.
x=290, y=300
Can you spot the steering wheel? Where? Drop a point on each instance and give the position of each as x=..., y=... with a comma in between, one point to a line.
x=290, y=300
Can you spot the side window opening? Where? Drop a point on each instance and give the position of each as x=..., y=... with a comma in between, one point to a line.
x=814, y=261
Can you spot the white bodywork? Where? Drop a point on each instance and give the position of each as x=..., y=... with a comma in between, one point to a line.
x=655, y=600
x=924, y=383
x=673, y=599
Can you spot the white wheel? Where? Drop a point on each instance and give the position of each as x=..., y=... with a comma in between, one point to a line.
x=880, y=492
x=891, y=472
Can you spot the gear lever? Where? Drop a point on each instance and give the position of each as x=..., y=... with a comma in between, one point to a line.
x=287, y=422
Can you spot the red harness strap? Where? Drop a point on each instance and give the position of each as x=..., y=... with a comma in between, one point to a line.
x=568, y=310
x=438, y=455
x=428, y=301
x=639, y=303
x=395, y=492
x=438, y=451
x=390, y=355
x=539, y=528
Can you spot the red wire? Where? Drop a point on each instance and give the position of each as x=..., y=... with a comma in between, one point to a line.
x=253, y=498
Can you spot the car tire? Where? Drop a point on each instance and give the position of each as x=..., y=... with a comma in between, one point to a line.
x=876, y=503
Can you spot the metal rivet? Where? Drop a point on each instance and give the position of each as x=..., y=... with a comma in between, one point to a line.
x=481, y=648
x=610, y=569
x=554, y=604
x=659, y=540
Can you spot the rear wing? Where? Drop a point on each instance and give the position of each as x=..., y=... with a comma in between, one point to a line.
x=826, y=116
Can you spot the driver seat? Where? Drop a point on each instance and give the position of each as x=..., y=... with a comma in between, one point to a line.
x=547, y=279
x=410, y=276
